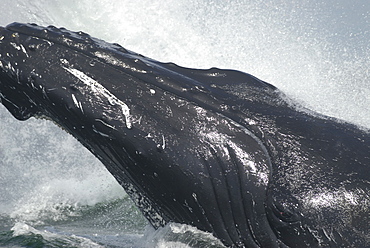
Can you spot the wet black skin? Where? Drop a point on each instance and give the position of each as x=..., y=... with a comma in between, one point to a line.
x=216, y=149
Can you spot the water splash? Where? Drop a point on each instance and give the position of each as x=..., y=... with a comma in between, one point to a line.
x=315, y=51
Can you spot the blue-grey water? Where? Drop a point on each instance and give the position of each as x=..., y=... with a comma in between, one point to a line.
x=54, y=193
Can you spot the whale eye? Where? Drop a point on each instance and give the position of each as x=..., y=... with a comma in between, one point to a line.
x=285, y=215
x=285, y=212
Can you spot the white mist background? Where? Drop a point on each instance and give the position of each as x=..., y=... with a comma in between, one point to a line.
x=317, y=52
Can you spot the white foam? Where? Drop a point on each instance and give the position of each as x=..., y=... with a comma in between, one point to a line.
x=49, y=200
x=177, y=235
x=21, y=228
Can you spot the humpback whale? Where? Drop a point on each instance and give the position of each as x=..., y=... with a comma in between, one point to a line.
x=216, y=149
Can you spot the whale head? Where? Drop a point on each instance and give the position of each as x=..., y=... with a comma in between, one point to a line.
x=155, y=126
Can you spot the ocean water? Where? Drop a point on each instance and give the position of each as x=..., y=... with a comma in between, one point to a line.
x=54, y=193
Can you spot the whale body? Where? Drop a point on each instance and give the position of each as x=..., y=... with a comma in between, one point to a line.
x=216, y=149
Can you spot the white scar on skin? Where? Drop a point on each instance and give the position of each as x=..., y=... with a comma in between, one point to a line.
x=102, y=91
x=19, y=48
x=77, y=103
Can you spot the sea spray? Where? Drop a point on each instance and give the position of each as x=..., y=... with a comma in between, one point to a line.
x=315, y=51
